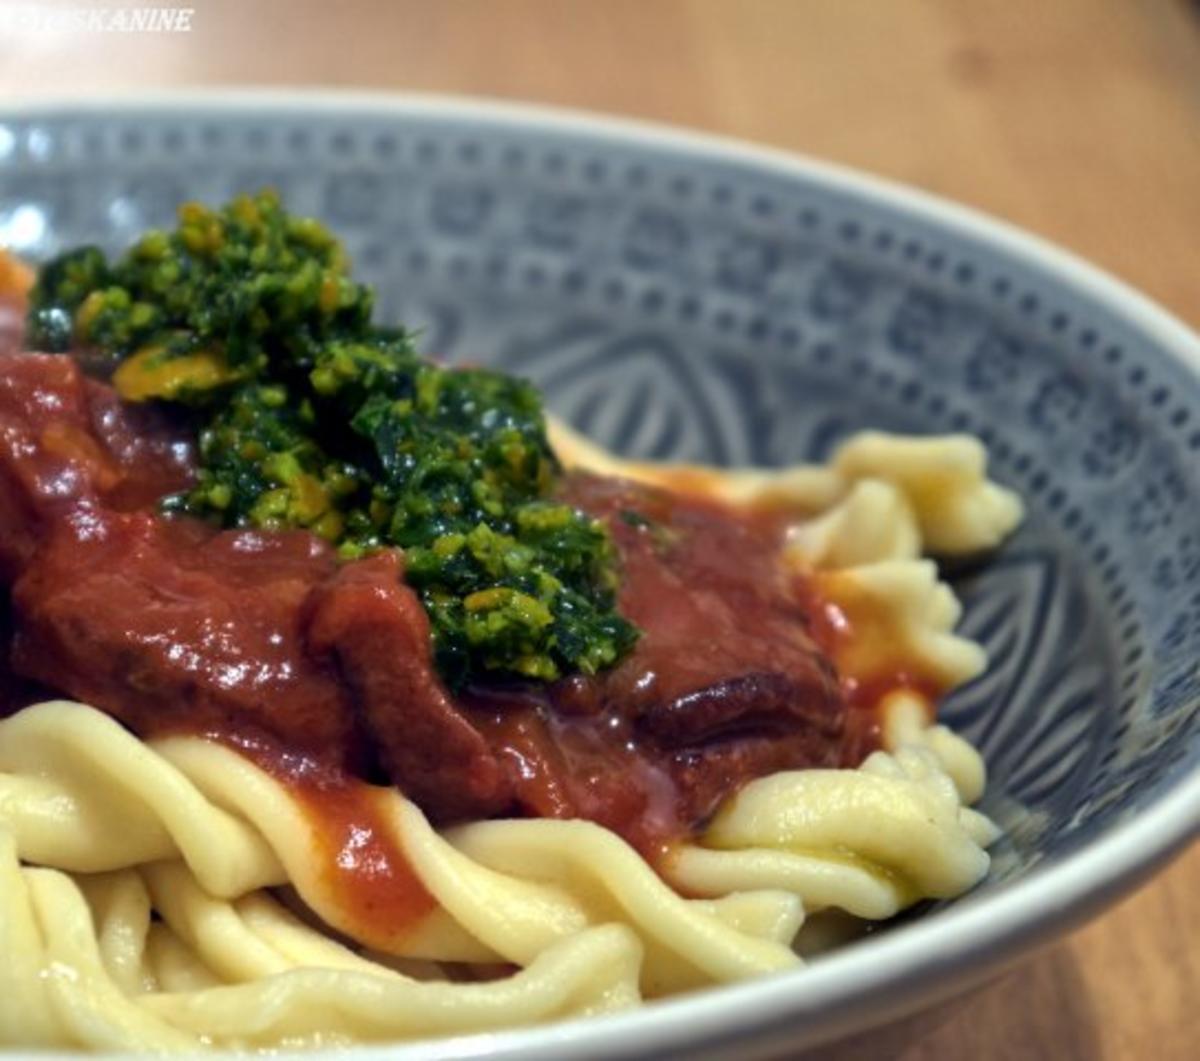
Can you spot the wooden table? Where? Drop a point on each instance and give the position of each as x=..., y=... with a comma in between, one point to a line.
x=1079, y=119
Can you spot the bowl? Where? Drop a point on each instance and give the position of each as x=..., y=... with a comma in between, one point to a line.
x=680, y=296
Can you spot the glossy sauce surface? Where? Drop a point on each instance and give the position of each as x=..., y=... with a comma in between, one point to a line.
x=869, y=645
x=363, y=868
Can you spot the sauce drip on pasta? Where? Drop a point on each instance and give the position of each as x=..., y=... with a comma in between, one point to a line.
x=363, y=867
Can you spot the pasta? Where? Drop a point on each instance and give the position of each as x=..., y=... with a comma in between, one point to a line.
x=169, y=895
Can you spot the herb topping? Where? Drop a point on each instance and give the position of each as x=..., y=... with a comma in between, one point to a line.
x=309, y=415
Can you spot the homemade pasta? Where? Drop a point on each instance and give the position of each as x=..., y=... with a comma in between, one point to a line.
x=462, y=724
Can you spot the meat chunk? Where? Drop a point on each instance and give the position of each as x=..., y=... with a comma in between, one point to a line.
x=771, y=703
x=169, y=626
x=725, y=650
x=152, y=453
x=724, y=684
x=48, y=457
x=65, y=440
x=378, y=631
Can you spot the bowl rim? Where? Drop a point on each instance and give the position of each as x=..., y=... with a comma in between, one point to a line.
x=893, y=975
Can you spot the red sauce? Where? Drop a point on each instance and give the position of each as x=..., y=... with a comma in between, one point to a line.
x=584, y=768
x=364, y=869
x=869, y=650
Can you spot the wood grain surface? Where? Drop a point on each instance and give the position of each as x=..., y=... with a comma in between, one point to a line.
x=1078, y=119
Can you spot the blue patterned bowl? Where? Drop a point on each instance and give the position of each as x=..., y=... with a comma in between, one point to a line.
x=678, y=296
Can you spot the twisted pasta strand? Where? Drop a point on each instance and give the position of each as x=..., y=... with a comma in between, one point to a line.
x=586, y=922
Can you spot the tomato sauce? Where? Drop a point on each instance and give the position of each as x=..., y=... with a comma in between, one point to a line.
x=868, y=645
x=363, y=868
